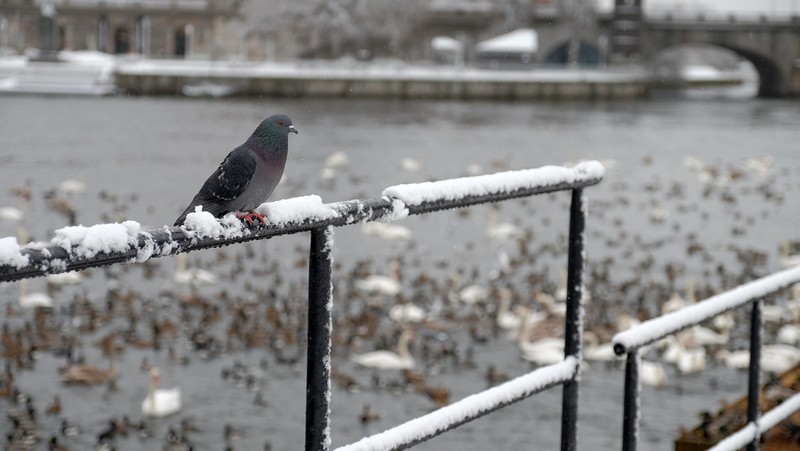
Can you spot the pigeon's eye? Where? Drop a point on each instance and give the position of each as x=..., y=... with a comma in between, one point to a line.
x=281, y=123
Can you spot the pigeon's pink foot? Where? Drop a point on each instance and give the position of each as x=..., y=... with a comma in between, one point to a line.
x=251, y=216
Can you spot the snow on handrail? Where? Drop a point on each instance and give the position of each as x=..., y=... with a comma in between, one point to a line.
x=749, y=433
x=658, y=328
x=75, y=248
x=454, y=190
x=428, y=426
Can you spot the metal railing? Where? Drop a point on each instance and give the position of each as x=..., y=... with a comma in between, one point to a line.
x=310, y=214
x=631, y=341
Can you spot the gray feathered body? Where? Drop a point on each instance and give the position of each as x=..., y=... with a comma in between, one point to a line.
x=248, y=175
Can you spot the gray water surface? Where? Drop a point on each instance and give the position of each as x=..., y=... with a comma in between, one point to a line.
x=152, y=154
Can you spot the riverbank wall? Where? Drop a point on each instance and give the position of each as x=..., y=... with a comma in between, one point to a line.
x=148, y=77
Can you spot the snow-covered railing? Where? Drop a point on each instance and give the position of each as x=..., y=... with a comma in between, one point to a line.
x=632, y=340
x=75, y=248
x=474, y=406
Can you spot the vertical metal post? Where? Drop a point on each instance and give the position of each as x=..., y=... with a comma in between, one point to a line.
x=573, y=331
x=754, y=371
x=318, y=372
x=630, y=417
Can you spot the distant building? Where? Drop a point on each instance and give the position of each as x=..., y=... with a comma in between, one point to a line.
x=516, y=49
x=176, y=29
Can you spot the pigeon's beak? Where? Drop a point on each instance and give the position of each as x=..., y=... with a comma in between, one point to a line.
x=293, y=130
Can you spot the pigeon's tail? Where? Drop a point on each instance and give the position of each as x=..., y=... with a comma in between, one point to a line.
x=180, y=220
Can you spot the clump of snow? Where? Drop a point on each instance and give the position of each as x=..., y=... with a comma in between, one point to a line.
x=87, y=242
x=10, y=254
x=328, y=249
x=398, y=211
x=147, y=249
x=471, y=407
x=297, y=210
x=202, y=224
x=499, y=183
x=58, y=264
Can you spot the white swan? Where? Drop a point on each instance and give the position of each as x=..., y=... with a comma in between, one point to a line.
x=337, y=160
x=652, y=374
x=677, y=302
x=688, y=360
x=733, y=359
x=473, y=294
x=506, y=319
x=545, y=351
x=703, y=336
x=160, y=402
x=72, y=187
x=389, y=232
x=779, y=358
x=594, y=350
x=410, y=165
x=775, y=359
x=789, y=334
x=512, y=320
x=378, y=284
x=407, y=313
x=194, y=276
x=550, y=304
x=32, y=300
x=387, y=360
x=503, y=231
x=11, y=213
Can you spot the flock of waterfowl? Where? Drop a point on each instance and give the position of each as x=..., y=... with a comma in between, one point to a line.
x=398, y=322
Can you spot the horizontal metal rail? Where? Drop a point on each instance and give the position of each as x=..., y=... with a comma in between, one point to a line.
x=470, y=408
x=632, y=340
x=49, y=258
x=752, y=431
x=76, y=248
x=655, y=329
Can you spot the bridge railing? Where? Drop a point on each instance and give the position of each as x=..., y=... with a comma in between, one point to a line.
x=76, y=248
x=631, y=342
x=746, y=17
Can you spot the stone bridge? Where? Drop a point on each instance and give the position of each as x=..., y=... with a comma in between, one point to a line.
x=770, y=43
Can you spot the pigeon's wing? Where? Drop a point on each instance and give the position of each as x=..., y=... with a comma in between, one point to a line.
x=231, y=177
x=228, y=182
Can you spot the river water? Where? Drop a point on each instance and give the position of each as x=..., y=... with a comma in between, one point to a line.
x=144, y=158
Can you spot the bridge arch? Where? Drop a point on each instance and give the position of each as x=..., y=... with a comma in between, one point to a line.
x=770, y=76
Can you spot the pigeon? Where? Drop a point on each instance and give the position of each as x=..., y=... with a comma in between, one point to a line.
x=248, y=175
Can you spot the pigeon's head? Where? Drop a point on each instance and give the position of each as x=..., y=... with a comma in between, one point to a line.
x=280, y=123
